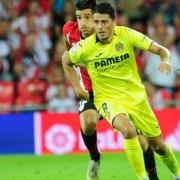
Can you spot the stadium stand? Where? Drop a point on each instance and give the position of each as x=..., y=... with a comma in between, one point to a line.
x=31, y=48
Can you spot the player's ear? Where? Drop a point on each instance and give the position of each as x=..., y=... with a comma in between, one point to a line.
x=114, y=22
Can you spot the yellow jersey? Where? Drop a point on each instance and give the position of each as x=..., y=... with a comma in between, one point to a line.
x=112, y=67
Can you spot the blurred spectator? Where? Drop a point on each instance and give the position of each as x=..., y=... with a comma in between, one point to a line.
x=122, y=19
x=177, y=89
x=169, y=9
x=152, y=7
x=31, y=45
x=9, y=44
x=165, y=35
x=68, y=11
x=30, y=61
x=55, y=66
x=46, y=5
x=158, y=79
x=158, y=98
x=4, y=9
x=29, y=68
x=135, y=10
x=58, y=14
x=31, y=94
x=55, y=79
x=42, y=20
x=176, y=21
x=59, y=6
x=62, y=102
x=56, y=76
x=54, y=82
x=159, y=29
x=64, y=11
x=7, y=96
x=42, y=39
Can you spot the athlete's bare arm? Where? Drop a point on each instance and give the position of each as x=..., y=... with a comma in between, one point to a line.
x=72, y=74
x=66, y=44
x=73, y=77
x=165, y=65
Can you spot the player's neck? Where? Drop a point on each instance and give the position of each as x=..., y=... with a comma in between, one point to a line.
x=109, y=39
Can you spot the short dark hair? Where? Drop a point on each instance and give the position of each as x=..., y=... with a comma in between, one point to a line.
x=105, y=8
x=85, y=4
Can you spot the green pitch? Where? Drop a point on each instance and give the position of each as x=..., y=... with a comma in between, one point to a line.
x=69, y=167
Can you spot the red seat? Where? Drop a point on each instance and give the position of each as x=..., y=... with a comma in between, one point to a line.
x=7, y=96
x=177, y=95
x=31, y=93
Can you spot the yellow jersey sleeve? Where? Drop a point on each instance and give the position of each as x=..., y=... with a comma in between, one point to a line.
x=139, y=40
x=76, y=54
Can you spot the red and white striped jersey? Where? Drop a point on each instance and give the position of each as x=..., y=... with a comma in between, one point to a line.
x=72, y=34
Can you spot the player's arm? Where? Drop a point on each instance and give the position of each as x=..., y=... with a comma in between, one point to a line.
x=73, y=77
x=71, y=73
x=164, y=53
x=66, y=44
x=143, y=42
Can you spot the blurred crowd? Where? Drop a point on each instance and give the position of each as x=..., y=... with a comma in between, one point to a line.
x=31, y=46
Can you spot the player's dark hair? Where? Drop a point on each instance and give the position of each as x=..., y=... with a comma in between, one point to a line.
x=85, y=4
x=105, y=8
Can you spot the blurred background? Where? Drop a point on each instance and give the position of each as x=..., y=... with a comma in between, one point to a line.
x=38, y=107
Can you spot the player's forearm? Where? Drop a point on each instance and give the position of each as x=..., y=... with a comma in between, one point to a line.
x=66, y=44
x=163, y=52
x=73, y=77
x=70, y=71
x=165, y=65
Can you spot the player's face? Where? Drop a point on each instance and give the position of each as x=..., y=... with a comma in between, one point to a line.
x=85, y=22
x=104, y=27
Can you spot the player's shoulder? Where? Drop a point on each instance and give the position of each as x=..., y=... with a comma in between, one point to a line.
x=122, y=29
x=71, y=32
x=85, y=45
x=90, y=41
x=70, y=26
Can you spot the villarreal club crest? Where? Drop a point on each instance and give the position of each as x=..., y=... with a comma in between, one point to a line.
x=119, y=46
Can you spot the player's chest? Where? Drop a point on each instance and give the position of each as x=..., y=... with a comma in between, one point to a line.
x=116, y=47
x=110, y=56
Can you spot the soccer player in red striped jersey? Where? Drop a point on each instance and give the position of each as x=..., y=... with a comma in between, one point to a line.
x=73, y=32
x=89, y=117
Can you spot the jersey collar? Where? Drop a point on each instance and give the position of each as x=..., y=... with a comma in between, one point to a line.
x=97, y=39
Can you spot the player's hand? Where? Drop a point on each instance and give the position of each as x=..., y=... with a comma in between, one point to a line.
x=165, y=67
x=82, y=94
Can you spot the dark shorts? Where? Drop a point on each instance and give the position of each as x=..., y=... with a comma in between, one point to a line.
x=86, y=105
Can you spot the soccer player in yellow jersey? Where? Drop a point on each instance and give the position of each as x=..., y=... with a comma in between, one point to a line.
x=89, y=117
x=119, y=94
